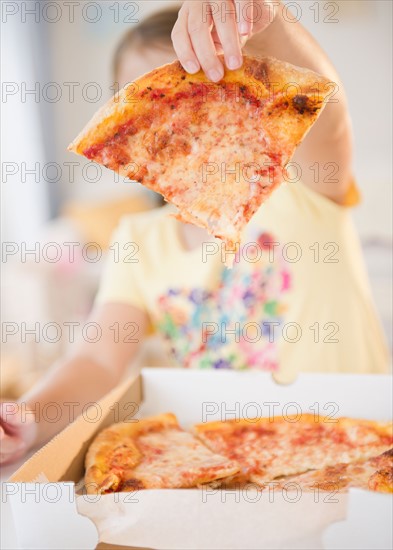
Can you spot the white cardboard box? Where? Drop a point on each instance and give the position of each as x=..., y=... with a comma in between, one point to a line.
x=51, y=515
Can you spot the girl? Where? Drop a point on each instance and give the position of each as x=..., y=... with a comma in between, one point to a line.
x=296, y=300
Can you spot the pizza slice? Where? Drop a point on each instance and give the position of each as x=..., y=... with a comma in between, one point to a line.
x=153, y=453
x=375, y=474
x=267, y=448
x=216, y=151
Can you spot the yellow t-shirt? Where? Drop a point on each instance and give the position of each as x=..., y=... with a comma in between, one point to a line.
x=297, y=298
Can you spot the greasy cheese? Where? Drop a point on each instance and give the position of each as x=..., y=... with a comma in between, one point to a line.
x=374, y=473
x=214, y=150
x=287, y=448
x=172, y=458
x=211, y=160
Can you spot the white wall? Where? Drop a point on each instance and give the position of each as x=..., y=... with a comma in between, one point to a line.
x=360, y=46
x=82, y=52
x=24, y=204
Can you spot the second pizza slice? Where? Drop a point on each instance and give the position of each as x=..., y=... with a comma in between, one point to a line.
x=268, y=449
x=153, y=453
x=375, y=474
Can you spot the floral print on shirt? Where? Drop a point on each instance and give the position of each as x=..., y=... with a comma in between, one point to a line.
x=236, y=324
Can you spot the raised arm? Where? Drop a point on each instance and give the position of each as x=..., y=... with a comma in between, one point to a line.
x=325, y=156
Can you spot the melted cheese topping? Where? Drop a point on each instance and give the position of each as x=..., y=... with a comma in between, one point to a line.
x=282, y=449
x=173, y=458
x=211, y=159
x=375, y=474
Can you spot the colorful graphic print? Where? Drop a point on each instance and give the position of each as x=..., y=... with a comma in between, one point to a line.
x=237, y=324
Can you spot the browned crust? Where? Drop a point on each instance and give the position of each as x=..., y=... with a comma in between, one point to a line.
x=383, y=428
x=374, y=473
x=267, y=78
x=98, y=477
x=382, y=479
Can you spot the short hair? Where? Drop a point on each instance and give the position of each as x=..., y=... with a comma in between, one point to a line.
x=153, y=31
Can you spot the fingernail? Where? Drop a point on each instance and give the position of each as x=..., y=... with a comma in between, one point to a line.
x=191, y=67
x=215, y=75
x=243, y=41
x=234, y=62
x=244, y=28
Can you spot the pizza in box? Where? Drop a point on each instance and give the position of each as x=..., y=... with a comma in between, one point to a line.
x=309, y=452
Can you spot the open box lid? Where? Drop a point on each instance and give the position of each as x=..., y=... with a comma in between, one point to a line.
x=200, y=396
x=62, y=459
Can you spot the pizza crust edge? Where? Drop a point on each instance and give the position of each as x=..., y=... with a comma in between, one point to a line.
x=98, y=477
x=266, y=76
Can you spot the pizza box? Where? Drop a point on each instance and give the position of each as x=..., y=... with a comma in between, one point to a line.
x=51, y=511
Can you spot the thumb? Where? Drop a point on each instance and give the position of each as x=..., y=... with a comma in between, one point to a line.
x=264, y=13
x=14, y=414
x=10, y=444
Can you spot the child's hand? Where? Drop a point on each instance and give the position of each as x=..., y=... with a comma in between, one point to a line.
x=17, y=432
x=204, y=29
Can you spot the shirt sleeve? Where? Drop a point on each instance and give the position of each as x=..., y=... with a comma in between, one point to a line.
x=353, y=196
x=119, y=281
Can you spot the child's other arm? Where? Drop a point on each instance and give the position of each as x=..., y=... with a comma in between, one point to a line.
x=91, y=370
x=325, y=156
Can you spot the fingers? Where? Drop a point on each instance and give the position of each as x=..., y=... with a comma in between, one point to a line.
x=14, y=417
x=15, y=414
x=245, y=17
x=11, y=447
x=182, y=43
x=205, y=28
x=199, y=25
x=264, y=13
x=18, y=429
x=226, y=28
x=193, y=42
x=10, y=413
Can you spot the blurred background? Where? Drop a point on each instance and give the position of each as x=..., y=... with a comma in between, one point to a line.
x=56, y=71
